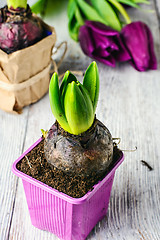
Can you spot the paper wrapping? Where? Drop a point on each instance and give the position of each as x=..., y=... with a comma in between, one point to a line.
x=25, y=74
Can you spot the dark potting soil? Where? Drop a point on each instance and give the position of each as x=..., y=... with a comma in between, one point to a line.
x=35, y=165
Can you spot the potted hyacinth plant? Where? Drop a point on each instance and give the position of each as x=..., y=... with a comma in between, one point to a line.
x=26, y=44
x=70, y=170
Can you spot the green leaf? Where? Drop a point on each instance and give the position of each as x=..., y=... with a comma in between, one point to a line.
x=38, y=6
x=88, y=102
x=71, y=8
x=105, y=10
x=76, y=110
x=68, y=78
x=75, y=19
x=55, y=102
x=47, y=7
x=44, y=133
x=121, y=9
x=89, y=12
x=91, y=83
x=141, y=1
x=79, y=17
x=129, y=3
x=73, y=28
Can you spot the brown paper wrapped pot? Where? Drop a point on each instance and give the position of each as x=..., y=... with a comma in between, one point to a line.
x=25, y=74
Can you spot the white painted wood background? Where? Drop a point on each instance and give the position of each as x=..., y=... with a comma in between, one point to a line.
x=129, y=105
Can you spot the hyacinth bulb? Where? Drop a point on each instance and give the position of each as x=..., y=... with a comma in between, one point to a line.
x=18, y=27
x=74, y=104
x=77, y=143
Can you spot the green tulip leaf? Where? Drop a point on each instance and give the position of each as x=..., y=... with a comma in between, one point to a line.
x=71, y=8
x=73, y=27
x=37, y=7
x=129, y=3
x=90, y=13
x=106, y=11
x=76, y=110
x=141, y=1
x=91, y=83
x=47, y=7
x=79, y=17
x=55, y=102
x=73, y=24
x=121, y=9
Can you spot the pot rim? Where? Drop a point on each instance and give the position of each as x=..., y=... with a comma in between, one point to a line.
x=55, y=192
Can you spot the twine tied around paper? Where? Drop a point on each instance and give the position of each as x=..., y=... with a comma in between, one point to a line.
x=19, y=86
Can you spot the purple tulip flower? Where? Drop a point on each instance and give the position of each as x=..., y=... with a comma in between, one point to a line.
x=102, y=43
x=138, y=39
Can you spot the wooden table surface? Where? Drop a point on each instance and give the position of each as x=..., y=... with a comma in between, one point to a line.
x=129, y=105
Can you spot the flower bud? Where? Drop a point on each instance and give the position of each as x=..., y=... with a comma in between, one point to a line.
x=102, y=43
x=74, y=104
x=138, y=40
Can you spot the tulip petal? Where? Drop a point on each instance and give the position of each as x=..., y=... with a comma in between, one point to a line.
x=153, y=60
x=85, y=39
x=102, y=53
x=104, y=42
x=139, y=43
x=122, y=55
x=110, y=61
x=101, y=28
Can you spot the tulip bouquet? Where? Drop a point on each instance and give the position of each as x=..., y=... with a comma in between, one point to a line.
x=108, y=12
x=102, y=35
x=77, y=138
x=105, y=31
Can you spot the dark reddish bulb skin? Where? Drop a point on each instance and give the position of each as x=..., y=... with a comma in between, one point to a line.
x=18, y=33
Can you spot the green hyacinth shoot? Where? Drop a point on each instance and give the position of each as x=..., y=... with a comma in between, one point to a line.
x=17, y=3
x=74, y=104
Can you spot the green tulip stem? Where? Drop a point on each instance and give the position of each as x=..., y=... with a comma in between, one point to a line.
x=121, y=10
x=142, y=1
x=17, y=3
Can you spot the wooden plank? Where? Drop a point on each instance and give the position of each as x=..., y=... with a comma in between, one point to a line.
x=12, y=134
x=129, y=106
x=157, y=5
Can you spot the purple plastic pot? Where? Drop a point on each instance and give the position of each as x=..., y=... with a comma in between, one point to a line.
x=67, y=217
